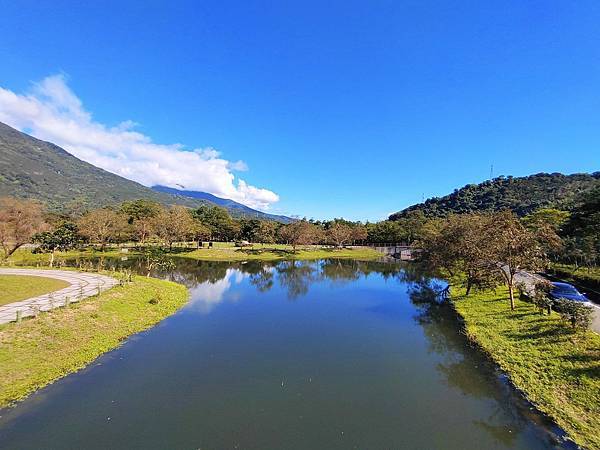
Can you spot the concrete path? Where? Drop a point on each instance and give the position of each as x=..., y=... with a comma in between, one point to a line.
x=529, y=280
x=81, y=285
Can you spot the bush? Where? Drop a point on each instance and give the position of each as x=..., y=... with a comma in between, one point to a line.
x=578, y=314
x=540, y=297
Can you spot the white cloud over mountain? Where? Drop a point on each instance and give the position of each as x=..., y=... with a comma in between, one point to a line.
x=51, y=111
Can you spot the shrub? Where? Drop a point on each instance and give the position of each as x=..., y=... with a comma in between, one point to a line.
x=578, y=314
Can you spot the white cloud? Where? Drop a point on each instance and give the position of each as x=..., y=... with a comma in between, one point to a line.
x=205, y=296
x=51, y=111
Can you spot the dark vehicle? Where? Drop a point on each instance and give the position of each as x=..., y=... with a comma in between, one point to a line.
x=568, y=291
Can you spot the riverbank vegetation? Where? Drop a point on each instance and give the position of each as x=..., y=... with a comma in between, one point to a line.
x=557, y=369
x=37, y=351
x=14, y=288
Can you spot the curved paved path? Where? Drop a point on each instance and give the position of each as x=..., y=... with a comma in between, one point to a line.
x=81, y=285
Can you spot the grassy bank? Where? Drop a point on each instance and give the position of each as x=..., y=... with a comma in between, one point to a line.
x=18, y=287
x=586, y=276
x=38, y=351
x=220, y=252
x=557, y=370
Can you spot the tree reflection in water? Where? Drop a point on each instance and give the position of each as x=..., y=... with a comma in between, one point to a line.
x=511, y=413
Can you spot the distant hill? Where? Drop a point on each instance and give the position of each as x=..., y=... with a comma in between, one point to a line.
x=32, y=168
x=235, y=209
x=519, y=194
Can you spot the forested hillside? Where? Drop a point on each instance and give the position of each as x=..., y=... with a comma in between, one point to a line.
x=522, y=195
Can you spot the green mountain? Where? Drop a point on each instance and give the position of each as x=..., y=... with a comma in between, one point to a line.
x=519, y=194
x=32, y=168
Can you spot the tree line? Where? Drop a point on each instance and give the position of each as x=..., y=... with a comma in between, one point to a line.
x=484, y=251
x=146, y=221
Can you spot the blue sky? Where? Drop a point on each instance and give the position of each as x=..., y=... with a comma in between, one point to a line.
x=353, y=109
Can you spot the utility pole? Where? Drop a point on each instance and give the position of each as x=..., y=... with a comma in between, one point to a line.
x=492, y=172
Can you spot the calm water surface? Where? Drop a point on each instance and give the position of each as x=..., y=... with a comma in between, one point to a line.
x=288, y=355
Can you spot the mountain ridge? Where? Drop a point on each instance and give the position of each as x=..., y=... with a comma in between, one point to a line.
x=522, y=195
x=40, y=170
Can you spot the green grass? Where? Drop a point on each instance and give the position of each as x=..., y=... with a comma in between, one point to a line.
x=589, y=276
x=221, y=251
x=38, y=351
x=277, y=253
x=558, y=370
x=20, y=287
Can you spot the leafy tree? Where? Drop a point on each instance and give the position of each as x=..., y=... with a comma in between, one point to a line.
x=546, y=217
x=19, y=221
x=176, y=224
x=140, y=214
x=300, y=232
x=339, y=234
x=266, y=232
x=385, y=231
x=359, y=233
x=64, y=237
x=102, y=226
x=219, y=222
x=540, y=296
x=578, y=314
x=515, y=248
x=460, y=244
x=582, y=230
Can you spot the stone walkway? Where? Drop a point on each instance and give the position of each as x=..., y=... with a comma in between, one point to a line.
x=81, y=285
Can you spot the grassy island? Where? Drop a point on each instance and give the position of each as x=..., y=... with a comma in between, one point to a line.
x=38, y=351
x=558, y=370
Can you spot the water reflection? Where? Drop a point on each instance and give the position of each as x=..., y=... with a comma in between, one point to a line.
x=464, y=369
x=330, y=354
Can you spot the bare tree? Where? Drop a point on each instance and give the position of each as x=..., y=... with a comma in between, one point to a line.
x=19, y=221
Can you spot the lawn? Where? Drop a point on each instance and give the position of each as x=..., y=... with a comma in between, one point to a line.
x=558, y=370
x=20, y=287
x=221, y=251
x=38, y=351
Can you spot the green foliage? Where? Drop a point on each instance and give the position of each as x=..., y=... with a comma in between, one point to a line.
x=64, y=237
x=14, y=288
x=140, y=209
x=557, y=370
x=38, y=351
x=577, y=314
x=522, y=195
x=582, y=230
x=219, y=222
x=540, y=296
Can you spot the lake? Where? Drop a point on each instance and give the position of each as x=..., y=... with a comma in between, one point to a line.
x=332, y=354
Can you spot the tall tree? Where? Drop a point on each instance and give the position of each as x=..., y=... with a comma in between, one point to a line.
x=102, y=226
x=298, y=233
x=176, y=224
x=140, y=214
x=62, y=238
x=19, y=221
x=339, y=234
x=515, y=248
x=218, y=220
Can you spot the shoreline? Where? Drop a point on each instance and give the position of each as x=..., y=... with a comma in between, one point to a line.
x=39, y=351
x=538, y=366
